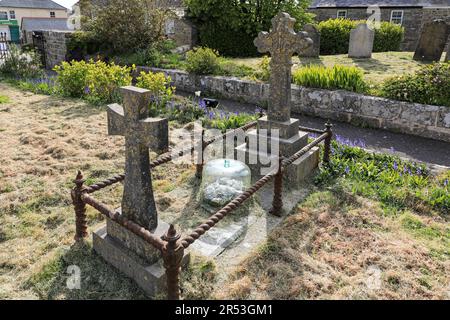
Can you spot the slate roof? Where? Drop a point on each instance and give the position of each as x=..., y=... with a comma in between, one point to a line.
x=45, y=24
x=34, y=4
x=380, y=3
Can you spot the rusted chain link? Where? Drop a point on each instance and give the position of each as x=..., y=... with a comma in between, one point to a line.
x=101, y=185
x=312, y=130
x=130, y=225
x=287, y=162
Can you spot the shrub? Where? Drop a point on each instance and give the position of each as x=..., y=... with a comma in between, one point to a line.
x=97, y=82
x=202, y=61
x=120, y=25
x=158, y=84
x=337, y=77
x=229, y=68
x=82, y=44
x=263, y=72
x=430, y=85
x=335, y=36
x=21, y=64
x=388, y=37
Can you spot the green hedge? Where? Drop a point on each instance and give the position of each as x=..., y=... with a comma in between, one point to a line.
x=232, y=44
x=335, y=36
x=430, y=85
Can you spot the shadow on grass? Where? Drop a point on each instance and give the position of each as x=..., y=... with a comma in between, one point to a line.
x=99, y=280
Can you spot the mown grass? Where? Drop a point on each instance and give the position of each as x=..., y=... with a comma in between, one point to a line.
x=380, y=67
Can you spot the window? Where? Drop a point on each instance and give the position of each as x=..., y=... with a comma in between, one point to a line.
x=3, y=15
x=12, y=15
x=342, y=14
x=397, y=16
x=52, y=14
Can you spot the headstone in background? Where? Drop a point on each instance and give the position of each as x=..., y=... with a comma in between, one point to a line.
x=361, y=42
x=314, y=50
x=432, y=41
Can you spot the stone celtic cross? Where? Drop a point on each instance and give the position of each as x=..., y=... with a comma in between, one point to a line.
x=282, y=42
x=141, y=133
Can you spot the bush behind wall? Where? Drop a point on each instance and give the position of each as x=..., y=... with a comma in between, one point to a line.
x=335, y=36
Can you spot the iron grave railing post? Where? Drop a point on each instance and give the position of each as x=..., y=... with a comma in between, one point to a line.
x=80, y=207
x=173, y=253
x=277, y=203
x=200, y=157
x=329, y=138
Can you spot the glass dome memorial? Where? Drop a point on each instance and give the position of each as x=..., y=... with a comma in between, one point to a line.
x=224, y=180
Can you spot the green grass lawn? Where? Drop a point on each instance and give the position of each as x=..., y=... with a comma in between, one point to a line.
x=383, y=65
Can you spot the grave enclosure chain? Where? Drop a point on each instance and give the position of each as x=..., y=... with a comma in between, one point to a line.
x=172, y=244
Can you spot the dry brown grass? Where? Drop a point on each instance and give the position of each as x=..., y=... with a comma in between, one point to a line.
x=44, y=141
x=329, y=247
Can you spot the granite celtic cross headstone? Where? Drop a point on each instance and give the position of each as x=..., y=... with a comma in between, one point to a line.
x=141, y=133
x=277, y=134
x=282, y=42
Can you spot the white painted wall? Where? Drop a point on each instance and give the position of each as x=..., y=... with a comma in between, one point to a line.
x=34, y=13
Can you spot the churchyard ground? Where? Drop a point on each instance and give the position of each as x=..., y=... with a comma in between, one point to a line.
x=346, y=240
x=382, y=65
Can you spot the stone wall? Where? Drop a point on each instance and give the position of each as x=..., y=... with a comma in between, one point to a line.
x=412, y=18
x=55, y=47
x=412, y=118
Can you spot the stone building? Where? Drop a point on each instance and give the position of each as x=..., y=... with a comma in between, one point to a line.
x=411, y=14
x=178, y=27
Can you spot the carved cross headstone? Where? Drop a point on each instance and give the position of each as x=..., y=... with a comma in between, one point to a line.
x=141, y=133
x=282, y=42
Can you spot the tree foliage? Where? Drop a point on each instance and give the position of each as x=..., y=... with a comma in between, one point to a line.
x=230, y=26
x=126, y=25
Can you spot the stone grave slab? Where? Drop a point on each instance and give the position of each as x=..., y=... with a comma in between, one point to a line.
x=361, y=42
x=432, y=41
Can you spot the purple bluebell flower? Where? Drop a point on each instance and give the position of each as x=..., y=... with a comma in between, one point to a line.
x=87, y=90
x=202, y=104
x=419, y=171
x=211, y=115
x=347, y=170
x=395, y=166
x=446, y=183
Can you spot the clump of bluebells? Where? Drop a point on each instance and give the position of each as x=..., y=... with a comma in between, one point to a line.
x=394, y=182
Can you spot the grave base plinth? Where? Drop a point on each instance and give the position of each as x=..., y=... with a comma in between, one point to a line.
x=133, y=256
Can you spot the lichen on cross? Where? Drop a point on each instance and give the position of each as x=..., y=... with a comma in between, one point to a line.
x=282, y=43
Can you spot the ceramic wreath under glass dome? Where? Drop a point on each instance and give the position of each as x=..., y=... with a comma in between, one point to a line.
x=223, y=180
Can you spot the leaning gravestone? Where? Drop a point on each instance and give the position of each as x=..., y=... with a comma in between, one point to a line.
x=432, y=41
x=314, y=50
x=361, y=42
x=278, y=134
x=117, y=245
